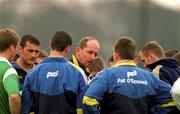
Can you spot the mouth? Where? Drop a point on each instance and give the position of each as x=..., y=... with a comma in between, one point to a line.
x=89, y=62
x=33, y=60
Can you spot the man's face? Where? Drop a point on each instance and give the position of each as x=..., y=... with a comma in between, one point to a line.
x=29, y=53
x=89, y=53
x=146, y=58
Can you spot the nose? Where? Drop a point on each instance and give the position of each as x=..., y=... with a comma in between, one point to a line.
x=93, y=57
x=34, y=54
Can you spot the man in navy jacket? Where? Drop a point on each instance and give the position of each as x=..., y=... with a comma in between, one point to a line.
x=55, y=86
x=127, y=89
x=153, y=57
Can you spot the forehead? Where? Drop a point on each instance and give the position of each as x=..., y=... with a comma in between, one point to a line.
x=92, y=44
x=31, y=45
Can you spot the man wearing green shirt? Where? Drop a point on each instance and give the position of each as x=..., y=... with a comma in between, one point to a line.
x=10, y=101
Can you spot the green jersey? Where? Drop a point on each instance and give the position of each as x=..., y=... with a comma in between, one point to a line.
x=9, y=84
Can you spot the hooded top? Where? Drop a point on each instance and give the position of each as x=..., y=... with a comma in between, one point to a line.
x=166, y=69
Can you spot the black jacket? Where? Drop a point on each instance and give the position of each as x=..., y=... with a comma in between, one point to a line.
x=166, y=69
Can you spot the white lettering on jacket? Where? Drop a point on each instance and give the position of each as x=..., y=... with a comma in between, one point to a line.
x=52, y=74
x=133, y=73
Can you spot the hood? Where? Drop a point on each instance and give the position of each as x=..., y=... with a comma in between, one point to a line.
x=169, y=62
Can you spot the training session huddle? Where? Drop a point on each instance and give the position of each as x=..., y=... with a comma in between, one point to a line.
x=35, y=81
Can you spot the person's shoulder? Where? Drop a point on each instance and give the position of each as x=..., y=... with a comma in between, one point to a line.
x=4, y=65
x=13, y=63
x=75, y=66
x=106, y=72
x=71, y=59
x=4, y=62
x=144, y=71
x=34, y=70
x=16, y=66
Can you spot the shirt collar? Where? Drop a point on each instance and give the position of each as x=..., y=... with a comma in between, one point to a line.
x=5, y=60
x=125, y=63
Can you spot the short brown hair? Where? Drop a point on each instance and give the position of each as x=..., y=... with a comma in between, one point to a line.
x=7, y=38
x=171, y=52
x=153, y=47
x=110, y=59
x=82, y=43
x=97, y=65
x=61, y=39
x=31, y=38
x=125, y=47
x=177, y=57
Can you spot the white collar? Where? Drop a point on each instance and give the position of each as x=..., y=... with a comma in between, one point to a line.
x=5, y=60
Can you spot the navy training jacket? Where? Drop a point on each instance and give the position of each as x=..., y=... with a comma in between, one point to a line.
x=54, y=86
x=127, y=89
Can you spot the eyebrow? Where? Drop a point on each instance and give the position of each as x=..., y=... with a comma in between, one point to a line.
x=33, y=50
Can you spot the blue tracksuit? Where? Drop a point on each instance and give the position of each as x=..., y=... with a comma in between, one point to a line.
x=54, y=86
x=127, y=89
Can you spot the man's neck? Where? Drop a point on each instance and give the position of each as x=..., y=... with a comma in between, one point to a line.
x=23, y=65
x=5, y=55
x=57, y=54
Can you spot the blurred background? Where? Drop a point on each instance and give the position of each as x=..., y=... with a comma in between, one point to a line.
x=143, y=20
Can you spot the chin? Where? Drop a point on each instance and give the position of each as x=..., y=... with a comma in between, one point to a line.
x=31, y=63
x=87, y=65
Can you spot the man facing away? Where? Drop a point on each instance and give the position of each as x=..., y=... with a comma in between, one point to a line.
x=55, y=86
x=153, y=57
x=85, y=53
x=28, y=52
x=127, y=89
x=10, y=101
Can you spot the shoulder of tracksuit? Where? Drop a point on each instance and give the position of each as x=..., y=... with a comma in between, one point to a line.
x=50, y=65
x=110, y=77
x=109, y=80
x=55, y=64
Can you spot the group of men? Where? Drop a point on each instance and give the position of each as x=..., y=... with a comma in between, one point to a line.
x=60, y=86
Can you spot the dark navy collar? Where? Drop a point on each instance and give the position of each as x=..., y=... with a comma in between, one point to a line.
x=15, y=65
x=75, y=61
x=170, y=62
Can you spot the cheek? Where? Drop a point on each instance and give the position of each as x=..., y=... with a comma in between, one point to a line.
x=83, y=54
x=26, y=54
x=36, y=54
x=85, y=57
x=148, y=60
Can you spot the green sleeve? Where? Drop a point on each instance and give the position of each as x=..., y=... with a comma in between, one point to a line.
x=11, y=84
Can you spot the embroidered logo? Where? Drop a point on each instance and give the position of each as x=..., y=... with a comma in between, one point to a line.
x=52, y=74
x=129, y=74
